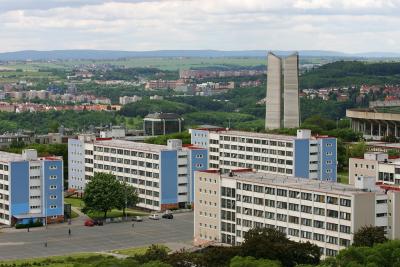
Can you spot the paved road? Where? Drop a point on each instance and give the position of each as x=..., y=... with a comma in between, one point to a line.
x=21, y=244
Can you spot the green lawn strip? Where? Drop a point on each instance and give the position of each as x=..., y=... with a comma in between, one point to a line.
x=343, y=177
x=66, y=260
x=78, y=202
x=136, y=251
x=74, y=214
x=75, y=202
x=115, y=213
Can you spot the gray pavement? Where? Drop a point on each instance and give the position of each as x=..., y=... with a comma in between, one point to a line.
x=22, y=244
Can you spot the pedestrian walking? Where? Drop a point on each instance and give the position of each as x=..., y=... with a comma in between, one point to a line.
x=133, y=225
x=28, y=228
x=69, y=231
x=45, y=244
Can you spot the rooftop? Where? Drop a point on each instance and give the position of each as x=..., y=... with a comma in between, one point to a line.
x=131, y=145
x=297, y=183
x=163, y=116
x=7, y=157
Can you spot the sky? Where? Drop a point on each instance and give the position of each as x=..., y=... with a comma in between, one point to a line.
x=139, y=25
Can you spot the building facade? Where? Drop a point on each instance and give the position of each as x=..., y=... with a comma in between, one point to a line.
x=31, y=188
x=324, y=213
x=374, y=124
x=282, y=72
x=163, y=175
x=302, y=155
x=376, y=165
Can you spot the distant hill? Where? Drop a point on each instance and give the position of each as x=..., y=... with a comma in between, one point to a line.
x=345, y=73
x=112, y=54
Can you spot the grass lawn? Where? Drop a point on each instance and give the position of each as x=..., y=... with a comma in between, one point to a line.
x=343, y=177
x=136, y=251
x=74, y=214
x=55, y=261
x=115, y=213
x=77, y=202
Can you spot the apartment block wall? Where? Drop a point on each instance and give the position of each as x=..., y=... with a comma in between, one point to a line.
x=327, y=218
x=307, y=158
x=163, y=177
x=207, y=208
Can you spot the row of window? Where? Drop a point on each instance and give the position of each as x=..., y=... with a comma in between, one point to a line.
x=128, y=162
x=127, y=170
x=255, y=141
x=255, y=150
x=126, y=152
x=294, y=194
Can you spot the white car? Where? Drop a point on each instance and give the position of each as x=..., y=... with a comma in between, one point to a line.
x=154, y=217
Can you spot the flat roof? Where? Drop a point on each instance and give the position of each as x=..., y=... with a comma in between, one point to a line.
x=117, y=143
x=7, y=157
x=297, y=183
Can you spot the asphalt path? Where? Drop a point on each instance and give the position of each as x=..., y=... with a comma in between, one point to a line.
x=19, y=244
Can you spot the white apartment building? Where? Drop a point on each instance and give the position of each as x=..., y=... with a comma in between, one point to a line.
x=302, y=155
x=163, y=175
x=324, y=213
x=378, y=165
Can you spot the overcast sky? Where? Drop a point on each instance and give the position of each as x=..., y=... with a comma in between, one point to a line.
x=340, y=25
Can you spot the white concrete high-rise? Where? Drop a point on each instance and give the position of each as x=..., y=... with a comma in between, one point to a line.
x=286, y=70
x=274, y=92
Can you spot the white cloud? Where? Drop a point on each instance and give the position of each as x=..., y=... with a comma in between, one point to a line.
x=352, y=25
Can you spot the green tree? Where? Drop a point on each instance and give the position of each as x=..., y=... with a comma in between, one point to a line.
x=153, y=253
x=269, y=243
x=102, y=193
x=368, y=236
x=252, y=262
x=128, y=197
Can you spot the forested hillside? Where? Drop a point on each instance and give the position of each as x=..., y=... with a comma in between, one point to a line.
x=345, y=73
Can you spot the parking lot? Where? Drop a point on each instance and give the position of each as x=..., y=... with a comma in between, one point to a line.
x=22, y=244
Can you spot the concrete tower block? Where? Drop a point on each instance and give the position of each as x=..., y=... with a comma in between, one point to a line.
x=273, y=101
x=291, y=118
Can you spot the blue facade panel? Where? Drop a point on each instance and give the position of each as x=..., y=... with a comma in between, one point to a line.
x=327, y=159
x=53, y=187
x=19, y=188
x=199, y=161
x=169, y=177
x=302, y=158
x=199, y=137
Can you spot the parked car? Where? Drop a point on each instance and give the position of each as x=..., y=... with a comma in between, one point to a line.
x=168, y=216
x=89, y=222
x=137, y=219
x=154, y=217
x=98, y=222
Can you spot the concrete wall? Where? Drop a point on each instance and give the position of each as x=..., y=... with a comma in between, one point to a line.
x=207, y=207
x=291, y=91
x=273, y=101
x=363, y=213
x=358, y=167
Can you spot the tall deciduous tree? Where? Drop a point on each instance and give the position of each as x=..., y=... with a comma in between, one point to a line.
x=368, y=236
x=102, y=193
x=127, y=198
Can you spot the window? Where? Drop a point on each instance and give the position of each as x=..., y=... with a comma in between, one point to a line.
x=345, y=202
x=318, y=224
x=319, y=211
x=332, y=227
x=53, y=187
x=53, y=206
x=53, y=197
x=53, y=167
x=281, y=192
x=332, y=200
x=332, y=213
x=53, y=177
